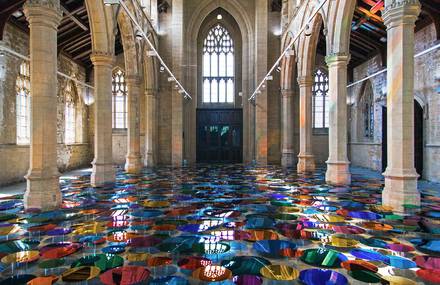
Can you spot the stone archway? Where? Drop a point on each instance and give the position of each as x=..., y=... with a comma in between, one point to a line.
x=238, y=12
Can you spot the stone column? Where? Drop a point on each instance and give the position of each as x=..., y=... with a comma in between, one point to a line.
x=338, y=171
x=287, y=155
x=150, y=115
x=103, y=168
x=177, y=25
x=261, y=108
x=133, y=162
x=306, y=159
x=43, y=190
x=400, y=175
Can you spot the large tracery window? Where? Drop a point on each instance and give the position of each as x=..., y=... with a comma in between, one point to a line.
x=218, y=66
x=119, y=102
x=70, y=114
x=320, y=100
x=23, y=104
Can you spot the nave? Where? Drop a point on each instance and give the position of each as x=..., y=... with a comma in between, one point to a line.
x=222, y=224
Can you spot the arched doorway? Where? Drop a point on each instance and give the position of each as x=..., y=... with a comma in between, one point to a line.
x=418, y=138
x=219, y=116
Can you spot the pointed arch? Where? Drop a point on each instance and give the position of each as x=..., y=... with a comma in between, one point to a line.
x=339, y=26
x=102, y=26
x=239, y=13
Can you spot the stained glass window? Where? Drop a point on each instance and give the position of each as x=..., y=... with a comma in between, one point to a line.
x=218, y=66
x=368, y=110
x=70, y=114
x=320, y=100
x=119, y=102
x=23, y=103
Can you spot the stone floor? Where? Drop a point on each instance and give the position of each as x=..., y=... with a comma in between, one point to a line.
x=223, y=224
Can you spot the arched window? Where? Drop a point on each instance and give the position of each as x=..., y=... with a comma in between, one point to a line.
x=367, y=106
x=119, y=102
x=320, y=100
x=218, y=66
x=70, y=114
x=23, y=104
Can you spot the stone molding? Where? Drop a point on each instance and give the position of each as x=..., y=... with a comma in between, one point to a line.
x=305, y=81
x=52, y=4
x=401, y=12
x=133, y=80
x=102, y=58
x=287, y=92
x=337, y=58
x=43, y=12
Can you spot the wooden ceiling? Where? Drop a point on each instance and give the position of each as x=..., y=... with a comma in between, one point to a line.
x=74, y=39
x=368, y=33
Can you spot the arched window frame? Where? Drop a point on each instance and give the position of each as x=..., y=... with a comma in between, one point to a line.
x=366, y=104
x=23, y=104
x=218, y=71
x=71, y=101
x=320, y=102
x=119, y=99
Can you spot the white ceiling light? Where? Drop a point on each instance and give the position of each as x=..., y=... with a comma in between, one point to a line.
x=219, y=17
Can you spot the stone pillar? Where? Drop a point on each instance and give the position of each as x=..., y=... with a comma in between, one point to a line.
x=177, y=98
x=103, y=168
x=43, y=190
x=287, y=120
x=261, y=108
x=306, y=159
x=150, y=116
x=338, y=171
x=400, y=175
x=133, y=162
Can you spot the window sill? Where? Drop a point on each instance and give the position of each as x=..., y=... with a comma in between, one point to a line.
x=320, y=132
x=119, y=131
x=75, y=144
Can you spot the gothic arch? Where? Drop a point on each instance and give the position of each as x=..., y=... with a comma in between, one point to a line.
x=307, y=47
x=101, y=26
x=129, y=43
x=339, y=26
x=238, y=12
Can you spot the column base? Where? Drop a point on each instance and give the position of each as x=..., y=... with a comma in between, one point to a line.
x=338, y=173
x=149, y=159
x=42, y=192
x=102, y=174
x=400, y=190
x=133, y=164
x=288, y=159
x=306, y=163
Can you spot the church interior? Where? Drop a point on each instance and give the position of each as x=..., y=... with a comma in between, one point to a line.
x=220, y=142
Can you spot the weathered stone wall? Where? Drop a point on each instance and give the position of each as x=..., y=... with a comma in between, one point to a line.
x=367, y=152
x=15, y=158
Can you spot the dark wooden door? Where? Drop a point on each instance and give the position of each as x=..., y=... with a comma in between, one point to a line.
x=418, y=138
x=219, y=135
x=384, y=139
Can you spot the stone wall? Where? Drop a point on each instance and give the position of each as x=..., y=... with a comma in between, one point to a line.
x=367, y=152
x=15, y=158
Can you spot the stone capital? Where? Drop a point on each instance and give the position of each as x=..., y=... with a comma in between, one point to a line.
x=150, y=92
x=102, y=58
x=133, y=79
x=337, y=58
x=287, y=92
x=43, y=12
x=400, y=12
x=305, y=81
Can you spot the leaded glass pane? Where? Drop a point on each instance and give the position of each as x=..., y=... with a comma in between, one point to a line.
x=218, y=66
